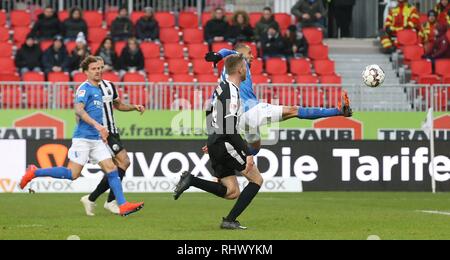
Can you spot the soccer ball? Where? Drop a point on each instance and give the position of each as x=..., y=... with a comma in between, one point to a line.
x=373, y=76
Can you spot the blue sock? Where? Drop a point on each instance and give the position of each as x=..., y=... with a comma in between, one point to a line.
x=57, y=173
x=315, y=113
x=252, y=150
x=116, y=187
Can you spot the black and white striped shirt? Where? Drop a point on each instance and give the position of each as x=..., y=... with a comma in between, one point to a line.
x=109, y=95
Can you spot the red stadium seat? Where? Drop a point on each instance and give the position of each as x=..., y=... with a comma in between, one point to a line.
x=169, y=35
x=94, y=19
x=57, y=77
x=217, y=46
x=188, y=20
x=331, y=79
x=165, y=19
x=70, y=46
x=193, y=35
x=253, y=48
x=324, y=67
x=119, y=46
x=2, y=18
x=207, y=78
x=443, y=67
x=206, y=16
x=254, y=18
x=202, y=67
x=97, y=34
x=133, y=77
x=20, y=35
x=137, y=94
x=421, y=68
x=154, y=66
x=4, y=34
x=136, y=15
x=45, y=44
x=151, y=50
x=413, y=53
x=257, y=67
x=307, y=79
x=260, y=79
x=429, y=80
x=407, y=37
x=313, y=35
x=184, y=78
x=448, y=35
x=318, y=52
x=110, y=16
x=174, y=51
x=79, y=77
x=155, y=78
x=446, y=80
x=284, y=20
x=332, y=93
x=8, y=65
x=63, y=15
x=33, y=77
x=6, y=50
x=276, y=66
x=94, y=46
x=197, y=50
x=282, y=79
x=300, y=66
x=311, y=97
x=178, y=66
x=11, y=96
x=111, y=76
x=20, y=18
x=36, y=96
x=9, y=77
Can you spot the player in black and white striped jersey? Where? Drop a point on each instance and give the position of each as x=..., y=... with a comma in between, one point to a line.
x=111, y=101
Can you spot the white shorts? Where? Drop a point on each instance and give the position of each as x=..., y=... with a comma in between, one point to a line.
x=83, y=151
x=260, y=115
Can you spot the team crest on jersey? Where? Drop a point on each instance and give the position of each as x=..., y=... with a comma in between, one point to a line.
x=81, y=93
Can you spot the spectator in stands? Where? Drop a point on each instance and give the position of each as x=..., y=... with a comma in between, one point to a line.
x=74, y=25
x=28, y=57
x=403, y=16
x=267, y=19
x=310, y=13
x=295, y=43
x=216, y=30
x=441, y=47
x=131, y=59
x=108, y=53
x=343, y=13
x=241, y=30
x=272, y=44
x=47, y=25
x=78, y=54
x=55, y=58
x=427, y=31
x=147, y=28
x=443, y=12
x=122, y=27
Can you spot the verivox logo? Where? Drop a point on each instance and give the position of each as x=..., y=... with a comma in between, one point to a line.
x=37, y=126
x=7, y=185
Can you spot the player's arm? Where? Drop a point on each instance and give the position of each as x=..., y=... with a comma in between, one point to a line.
x=119, y=105
x=83, y=115
x=216, y=57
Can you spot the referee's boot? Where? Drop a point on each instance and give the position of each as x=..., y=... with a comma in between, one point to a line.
x=232, y=225
x=183, y=184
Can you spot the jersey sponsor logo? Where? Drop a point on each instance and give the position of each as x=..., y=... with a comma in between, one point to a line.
x=81, y=93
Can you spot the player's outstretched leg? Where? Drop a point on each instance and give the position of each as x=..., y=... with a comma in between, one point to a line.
x=187, y=180
x=33, y=172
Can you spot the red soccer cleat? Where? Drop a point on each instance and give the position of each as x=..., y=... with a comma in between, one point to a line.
x=344, y=105
x=28, y=177
x=130, y=208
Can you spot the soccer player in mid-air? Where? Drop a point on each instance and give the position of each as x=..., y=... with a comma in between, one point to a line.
x=88, y=143
x=120, y=157
x=227, y=150
x=257, y=114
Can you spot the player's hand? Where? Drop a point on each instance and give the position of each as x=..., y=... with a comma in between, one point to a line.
x=213, y=57
x=139, y=108
x=103, y=133
x=250, y=164
x=205, y=149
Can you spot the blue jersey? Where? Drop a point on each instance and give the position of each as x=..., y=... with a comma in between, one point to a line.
x=246, y=92
x=92, y=98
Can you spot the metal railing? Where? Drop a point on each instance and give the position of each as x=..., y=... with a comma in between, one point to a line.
x=177, y=96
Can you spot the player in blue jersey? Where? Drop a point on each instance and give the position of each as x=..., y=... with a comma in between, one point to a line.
x=89, y=140
x=257, y=114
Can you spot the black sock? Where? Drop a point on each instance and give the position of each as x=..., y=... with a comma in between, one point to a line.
x=243, y=201
x=102, y=187
x=212, y=187
x=111, y=196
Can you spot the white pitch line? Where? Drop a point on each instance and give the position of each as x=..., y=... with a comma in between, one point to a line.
x=435, y=212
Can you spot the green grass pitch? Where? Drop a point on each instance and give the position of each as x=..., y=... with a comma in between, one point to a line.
x=328, y=215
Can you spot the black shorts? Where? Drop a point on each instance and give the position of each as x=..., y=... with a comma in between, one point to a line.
x=115, y=144
x=225, y=160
